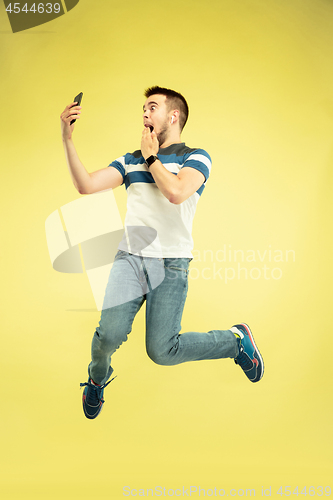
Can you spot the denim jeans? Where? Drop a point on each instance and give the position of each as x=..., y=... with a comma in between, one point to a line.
x=133, y=280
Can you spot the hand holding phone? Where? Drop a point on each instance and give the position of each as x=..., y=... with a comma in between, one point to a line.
x=78, y=100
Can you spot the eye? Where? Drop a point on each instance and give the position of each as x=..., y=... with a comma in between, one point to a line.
x=153, y=107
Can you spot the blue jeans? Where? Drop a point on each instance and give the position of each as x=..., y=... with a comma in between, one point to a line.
x=133, y=280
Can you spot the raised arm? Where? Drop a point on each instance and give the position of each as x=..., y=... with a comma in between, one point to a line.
x=84, y=182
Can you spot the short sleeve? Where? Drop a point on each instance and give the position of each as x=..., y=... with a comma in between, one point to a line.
x=200, y=160
x=119, y=164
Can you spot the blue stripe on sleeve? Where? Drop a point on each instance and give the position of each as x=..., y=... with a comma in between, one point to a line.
x=119, y=167
x=198, y=166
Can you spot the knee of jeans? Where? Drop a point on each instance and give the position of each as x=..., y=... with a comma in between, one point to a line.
x=159, y=356
x=110, y=338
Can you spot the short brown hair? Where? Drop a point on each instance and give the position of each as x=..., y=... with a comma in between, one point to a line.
x=174, y=101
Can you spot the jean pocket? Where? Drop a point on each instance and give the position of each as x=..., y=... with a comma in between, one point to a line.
x=180, y=264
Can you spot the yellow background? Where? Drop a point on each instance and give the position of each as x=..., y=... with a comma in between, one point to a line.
x=258, y=79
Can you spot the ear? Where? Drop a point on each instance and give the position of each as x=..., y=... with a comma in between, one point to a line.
x=174, y=116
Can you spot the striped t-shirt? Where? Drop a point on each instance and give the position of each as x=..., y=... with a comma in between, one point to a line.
x=154, y=226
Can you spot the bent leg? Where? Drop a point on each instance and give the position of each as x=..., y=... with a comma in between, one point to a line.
x=165, y=305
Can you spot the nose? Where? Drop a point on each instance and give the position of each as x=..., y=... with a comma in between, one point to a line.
x=145, y=114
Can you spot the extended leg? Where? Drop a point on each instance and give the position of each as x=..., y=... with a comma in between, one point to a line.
x=124, y=296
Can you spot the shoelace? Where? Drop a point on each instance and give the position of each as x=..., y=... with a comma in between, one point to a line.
x=94, y=397
x=243, y=360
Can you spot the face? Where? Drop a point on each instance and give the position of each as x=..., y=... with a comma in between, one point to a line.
x=156, y=115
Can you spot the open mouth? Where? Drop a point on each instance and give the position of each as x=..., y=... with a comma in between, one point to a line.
x=150, y=127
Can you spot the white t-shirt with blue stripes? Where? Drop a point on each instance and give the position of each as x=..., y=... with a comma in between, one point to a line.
x=154, y=226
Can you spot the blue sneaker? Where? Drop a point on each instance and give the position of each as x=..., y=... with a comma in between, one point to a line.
x=249, y=358
x=92, y=398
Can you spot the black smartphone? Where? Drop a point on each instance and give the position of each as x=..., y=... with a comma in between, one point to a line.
x=77, y=99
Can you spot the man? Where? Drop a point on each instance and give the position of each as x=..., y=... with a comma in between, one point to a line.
x=164, y=181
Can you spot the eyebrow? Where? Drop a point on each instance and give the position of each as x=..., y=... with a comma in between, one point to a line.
x=150, y=102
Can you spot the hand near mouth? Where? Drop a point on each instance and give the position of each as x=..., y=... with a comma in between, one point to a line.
x=150, y=127
x=149, y=142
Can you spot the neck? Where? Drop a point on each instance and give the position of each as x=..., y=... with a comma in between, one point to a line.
x=168, y=143
x=171, y=139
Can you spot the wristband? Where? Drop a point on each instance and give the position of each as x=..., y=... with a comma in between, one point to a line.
x=149, y=161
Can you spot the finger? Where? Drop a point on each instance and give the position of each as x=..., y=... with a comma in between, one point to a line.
x=72, y=117
x=69, y=106
x=72, y=105
x=75, y=108
x=73, y=112
x=69, y=110
x=69, y=116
